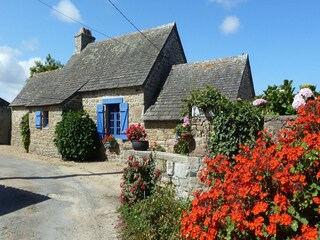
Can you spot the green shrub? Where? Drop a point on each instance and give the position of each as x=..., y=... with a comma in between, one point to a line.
x=158, y=217
x=139, y=180
x=236, y=125
x=279, y=99
x=25, y=131
x=233, y=123
x=76, y=136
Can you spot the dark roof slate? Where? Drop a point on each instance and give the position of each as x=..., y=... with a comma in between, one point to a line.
x=3, y=103
x=224, y=74
x=123, y=61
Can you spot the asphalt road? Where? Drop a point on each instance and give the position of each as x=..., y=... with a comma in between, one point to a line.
x=42, y=201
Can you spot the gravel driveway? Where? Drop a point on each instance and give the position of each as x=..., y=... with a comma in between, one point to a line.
x=47, y=198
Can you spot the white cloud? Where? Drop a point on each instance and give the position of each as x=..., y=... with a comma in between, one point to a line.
x=13, y=73
x=67, y=8
x=230, y=25
x=227, y=3
x=30, y=44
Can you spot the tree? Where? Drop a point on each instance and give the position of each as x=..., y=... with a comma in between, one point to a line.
x=49, y=65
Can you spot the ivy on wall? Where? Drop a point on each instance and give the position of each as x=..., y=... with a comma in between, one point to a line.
x=25, y=131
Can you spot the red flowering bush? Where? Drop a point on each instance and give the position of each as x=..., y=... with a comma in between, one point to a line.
x=138, y=180
x=270, y=192
x=136, y=132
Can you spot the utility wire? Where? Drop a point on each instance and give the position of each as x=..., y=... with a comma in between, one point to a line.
x=95, y=30
x=81, y=23
x=128, y=20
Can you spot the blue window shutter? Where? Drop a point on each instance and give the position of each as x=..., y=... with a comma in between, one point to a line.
x=123, y=120
x=38, y=119
x=100, y=120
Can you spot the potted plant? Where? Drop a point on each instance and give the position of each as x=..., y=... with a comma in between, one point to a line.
x=109, y=141
x=137, y=135
x=183, y=130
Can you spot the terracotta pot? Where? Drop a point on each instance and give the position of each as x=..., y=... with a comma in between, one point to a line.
x=140, y=145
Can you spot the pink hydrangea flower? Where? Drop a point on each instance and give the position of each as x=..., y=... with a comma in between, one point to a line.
x=298, y=101
x=186, y=121
x=306, y=93
x=259, y=102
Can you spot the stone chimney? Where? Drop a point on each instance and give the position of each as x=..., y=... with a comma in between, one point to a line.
x=82, y=39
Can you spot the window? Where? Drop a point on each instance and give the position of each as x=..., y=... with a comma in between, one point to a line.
x=112, y=118
x=42, y=119
x=45, y=119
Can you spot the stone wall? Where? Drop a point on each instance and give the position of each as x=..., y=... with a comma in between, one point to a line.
x=133, y=96
x=41, y=140
x=274, y=124
x=5, y=125
x=172, y=53
x=246, y=90
x=182, y=171
x=16, y=117
x=162, y=133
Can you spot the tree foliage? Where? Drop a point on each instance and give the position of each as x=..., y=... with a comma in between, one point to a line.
x=49, y=65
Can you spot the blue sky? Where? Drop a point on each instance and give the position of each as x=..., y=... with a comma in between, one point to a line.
x=282, y=37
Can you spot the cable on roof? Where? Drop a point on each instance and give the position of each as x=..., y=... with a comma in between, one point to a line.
x=128, y=20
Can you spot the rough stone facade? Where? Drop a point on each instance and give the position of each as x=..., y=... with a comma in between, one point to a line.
x=181, y=171
x=161, y=133
x=171, y=54
x=133, y=96
x=16, y=117
x=5, y=125
x=41, y=140
x=274, y=124
x=246, y=90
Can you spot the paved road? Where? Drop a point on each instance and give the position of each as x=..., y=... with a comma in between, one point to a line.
x=42, y=201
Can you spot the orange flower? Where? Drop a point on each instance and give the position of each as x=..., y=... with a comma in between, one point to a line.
x=285, y=219
x=272, y=229
x=259, y=208
x=281, y=201
x=316, y=200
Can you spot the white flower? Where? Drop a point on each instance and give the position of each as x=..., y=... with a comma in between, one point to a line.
x=298, y=101
x=306, y=93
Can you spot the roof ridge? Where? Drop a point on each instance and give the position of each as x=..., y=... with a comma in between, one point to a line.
x=209, y=61
x=168, y=25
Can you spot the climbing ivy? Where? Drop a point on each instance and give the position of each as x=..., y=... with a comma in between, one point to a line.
x=25, y=131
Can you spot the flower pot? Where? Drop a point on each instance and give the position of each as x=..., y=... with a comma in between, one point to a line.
x=140, y=145
x=108, y=145
x=186, y=136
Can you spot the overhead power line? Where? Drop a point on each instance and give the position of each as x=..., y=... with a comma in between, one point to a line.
x=128, y=20
x=81, y=23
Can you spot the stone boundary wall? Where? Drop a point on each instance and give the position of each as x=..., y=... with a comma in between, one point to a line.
x=182, y=171
x=5, y=125
x=273, y=124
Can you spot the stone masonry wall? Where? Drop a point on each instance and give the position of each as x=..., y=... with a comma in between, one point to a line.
x=5, y=125
x=246, y=90
x=41, y=140
x=133, y=96
x=16, y=117
x=182, y=171
x=274, y=124
x=162, y=133
x=172, y=53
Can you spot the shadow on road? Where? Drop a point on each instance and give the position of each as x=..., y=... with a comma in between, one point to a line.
x=13, y=199
x=63, y=176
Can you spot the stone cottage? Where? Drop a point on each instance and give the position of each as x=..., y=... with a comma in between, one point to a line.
x=123, y=80
x=5, y=122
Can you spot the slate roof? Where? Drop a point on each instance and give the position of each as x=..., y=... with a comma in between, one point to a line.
x=124, y=61
x=3, y=103
x=224, y=74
